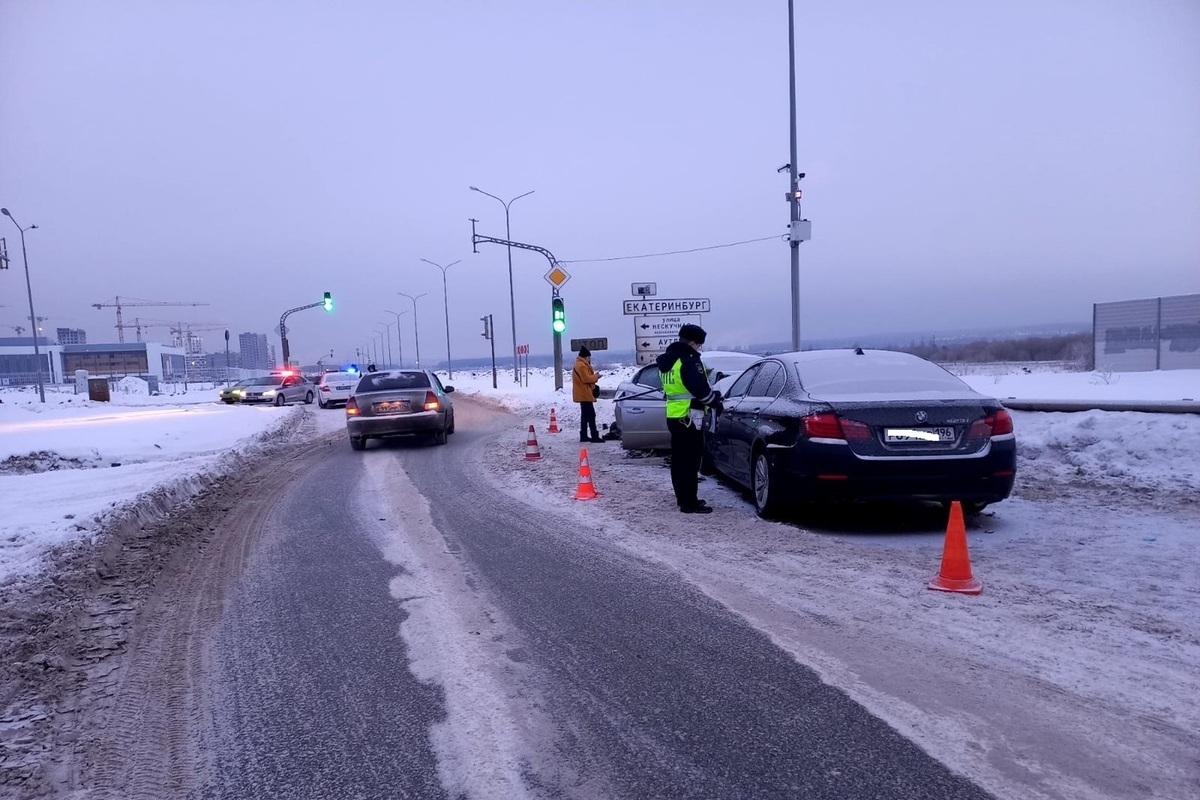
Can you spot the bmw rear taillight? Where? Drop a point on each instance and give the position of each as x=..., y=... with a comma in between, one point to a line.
x=431, y=401
x=997, y=423
x=822, y=426
x=855, y=431
x=352, y=407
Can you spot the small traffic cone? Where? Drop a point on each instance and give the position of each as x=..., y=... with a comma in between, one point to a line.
x=554, y=422
x=586, y=490
x=532, y=453
x=955, y=574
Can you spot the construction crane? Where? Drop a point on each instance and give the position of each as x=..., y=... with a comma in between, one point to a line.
x=120, y=302
x=181, y=330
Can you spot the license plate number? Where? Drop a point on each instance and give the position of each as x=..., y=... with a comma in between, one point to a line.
x=944, y=434
x=392, y=406
x=342, y=388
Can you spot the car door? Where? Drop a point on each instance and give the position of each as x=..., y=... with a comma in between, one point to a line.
x=291, y=389
x=644, y=413
x=749, y=415
x=728, y=428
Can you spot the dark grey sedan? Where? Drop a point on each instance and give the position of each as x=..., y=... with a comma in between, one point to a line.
x=399, y=402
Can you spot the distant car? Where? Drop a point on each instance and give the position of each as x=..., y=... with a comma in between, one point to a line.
x=856, y=424
x=336, y=387
x=399, y=402
x=279, y=389
x=232, y=394
x=642, y=417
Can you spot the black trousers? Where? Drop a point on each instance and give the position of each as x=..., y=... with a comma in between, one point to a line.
x=687, y=448
x=587, y=419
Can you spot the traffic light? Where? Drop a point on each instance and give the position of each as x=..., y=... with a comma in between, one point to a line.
x=559, y=319
x=328, y=302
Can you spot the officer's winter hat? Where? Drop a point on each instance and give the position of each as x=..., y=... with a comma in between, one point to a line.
x=692, y=333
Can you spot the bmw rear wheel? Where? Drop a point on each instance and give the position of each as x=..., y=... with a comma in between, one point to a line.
x=357, y=443
x=764, y=487
x=441, y=436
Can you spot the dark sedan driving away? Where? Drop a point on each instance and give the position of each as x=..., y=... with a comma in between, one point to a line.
x=827, y=425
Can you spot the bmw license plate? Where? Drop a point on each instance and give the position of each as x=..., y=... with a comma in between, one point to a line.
x=391, y=407
x=943, y=434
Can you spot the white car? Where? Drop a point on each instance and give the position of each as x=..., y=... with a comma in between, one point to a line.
x=336, y=387
x=641, y=408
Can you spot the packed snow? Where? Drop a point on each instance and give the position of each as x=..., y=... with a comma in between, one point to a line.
x=1077, y=661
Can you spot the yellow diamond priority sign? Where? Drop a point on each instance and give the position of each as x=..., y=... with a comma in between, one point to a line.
x=557, y=276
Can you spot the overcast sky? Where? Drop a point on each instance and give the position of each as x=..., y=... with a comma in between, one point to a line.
x=968, y=164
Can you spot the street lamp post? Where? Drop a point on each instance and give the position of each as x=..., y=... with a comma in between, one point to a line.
x=446, y=305
x=37, y=353
x=399, y=341
x=512, y=303
x=387, y=337
x=416, y=330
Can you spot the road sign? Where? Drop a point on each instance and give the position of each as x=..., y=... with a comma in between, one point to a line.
x=659, y=344
x=691, y=305
x=522, y=349
x=647, y=358
x=662, y=326
x=599, y=343
x=557, y=276
x=644, y=289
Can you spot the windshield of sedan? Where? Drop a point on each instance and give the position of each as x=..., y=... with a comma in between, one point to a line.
x=396, y=381
x=873, y=374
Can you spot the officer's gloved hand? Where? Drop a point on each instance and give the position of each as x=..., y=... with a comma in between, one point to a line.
x=717, y=405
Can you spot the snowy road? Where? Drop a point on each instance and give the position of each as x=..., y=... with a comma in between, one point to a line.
x=609, y=649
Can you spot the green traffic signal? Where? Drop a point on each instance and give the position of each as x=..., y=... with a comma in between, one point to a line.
x=559, y=315
x=328, y=301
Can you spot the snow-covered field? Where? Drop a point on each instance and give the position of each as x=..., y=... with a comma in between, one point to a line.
x=1085, y=641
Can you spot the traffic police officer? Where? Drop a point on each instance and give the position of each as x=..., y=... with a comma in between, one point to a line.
x=685, y=384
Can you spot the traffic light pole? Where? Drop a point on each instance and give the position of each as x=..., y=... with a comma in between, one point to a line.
x=283, y=328
x=558, y=365
x=476, y=240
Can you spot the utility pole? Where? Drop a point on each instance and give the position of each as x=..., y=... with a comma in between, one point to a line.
x=37, y=353
x=798, y=230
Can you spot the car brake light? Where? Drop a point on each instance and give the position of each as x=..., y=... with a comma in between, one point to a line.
x=855, y=431
x=351, y=407
x=324, y=388
x=822, y=426
x=998, y=423
x=431, y=401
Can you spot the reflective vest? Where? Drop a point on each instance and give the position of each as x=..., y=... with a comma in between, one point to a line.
x=679, y=399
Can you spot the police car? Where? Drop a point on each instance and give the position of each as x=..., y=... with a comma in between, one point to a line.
x=335, y=388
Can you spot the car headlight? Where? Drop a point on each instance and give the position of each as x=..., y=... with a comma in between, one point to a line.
x=269, y=392
x=239, y=392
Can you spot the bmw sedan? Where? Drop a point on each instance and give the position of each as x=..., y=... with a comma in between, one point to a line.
x=641, y=409
x=399, y=402
x=828, y=425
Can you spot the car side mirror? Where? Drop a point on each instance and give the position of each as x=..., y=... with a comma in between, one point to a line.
x=448, y=389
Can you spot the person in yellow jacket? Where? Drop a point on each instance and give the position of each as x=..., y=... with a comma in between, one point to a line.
x=584, y=390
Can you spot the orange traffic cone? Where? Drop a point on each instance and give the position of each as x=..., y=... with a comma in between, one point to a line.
x=955, y=574
x=532, y=453
x=586, y=490
x=554, y=422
